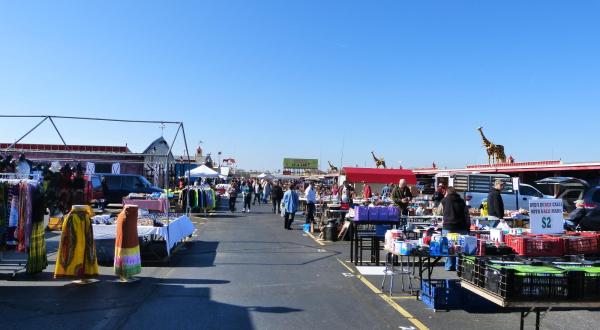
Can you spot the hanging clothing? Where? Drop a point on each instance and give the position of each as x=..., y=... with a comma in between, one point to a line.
x=77, y=250
x=4, y=209
x=24, y=225
x=37, y=260
x=127, y=248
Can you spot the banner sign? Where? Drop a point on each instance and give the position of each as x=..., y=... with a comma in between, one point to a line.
x=546, y=216
x=302, y=164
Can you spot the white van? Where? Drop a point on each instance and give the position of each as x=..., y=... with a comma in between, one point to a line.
x=474, y=188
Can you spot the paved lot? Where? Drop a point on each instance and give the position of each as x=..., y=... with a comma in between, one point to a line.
x=244, y=271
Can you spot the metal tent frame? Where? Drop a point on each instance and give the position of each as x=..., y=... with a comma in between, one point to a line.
x=179, y=124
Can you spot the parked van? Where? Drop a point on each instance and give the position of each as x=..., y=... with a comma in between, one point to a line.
x=474, y=188
x=120, y=185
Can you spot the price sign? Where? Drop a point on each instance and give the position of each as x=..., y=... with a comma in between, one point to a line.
x=546, y=216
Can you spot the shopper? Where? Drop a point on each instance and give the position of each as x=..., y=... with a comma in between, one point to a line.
x=385, y=192
x=290, y=202
x=246, y=196
x=232, y=192
x=402, y=196
x=439, y=194
x=311, y=200
x=266, y=192
x=367, y=193
x=455, y=219
x=495, y=202
x=257, y=190
x=575, y=217
x=276, y=196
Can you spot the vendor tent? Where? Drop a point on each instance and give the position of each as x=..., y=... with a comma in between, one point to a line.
x=203, y=171
x=266, y=176
x=379, y=175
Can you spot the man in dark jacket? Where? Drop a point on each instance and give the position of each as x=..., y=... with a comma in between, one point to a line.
x=575, y=217
x=495, y=202
x=401, y=196
x=276, y=196
x=455, y=220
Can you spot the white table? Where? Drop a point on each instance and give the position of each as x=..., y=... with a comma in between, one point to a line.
x=176, y=231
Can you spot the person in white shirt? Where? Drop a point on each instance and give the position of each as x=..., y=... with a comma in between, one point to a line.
x=311, y=200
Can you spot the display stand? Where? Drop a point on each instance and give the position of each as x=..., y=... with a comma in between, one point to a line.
x=354, y=230
x=20, y=264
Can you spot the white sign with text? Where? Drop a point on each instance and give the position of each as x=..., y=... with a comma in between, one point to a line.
x=546, y=216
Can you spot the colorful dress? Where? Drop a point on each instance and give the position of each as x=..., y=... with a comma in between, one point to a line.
x=37, y=260
x=77, y=250
x=127, y=247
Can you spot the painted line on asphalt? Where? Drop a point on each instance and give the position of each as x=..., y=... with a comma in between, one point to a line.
x=343, y=264
x=369, y=285
x=315, y=239
x=418, y=324
x=404, y=313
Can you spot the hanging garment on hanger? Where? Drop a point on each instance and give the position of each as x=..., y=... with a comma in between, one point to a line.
x=37, y=260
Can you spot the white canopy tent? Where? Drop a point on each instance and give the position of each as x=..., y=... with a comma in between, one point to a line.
x=266, y=176
x=203, y=171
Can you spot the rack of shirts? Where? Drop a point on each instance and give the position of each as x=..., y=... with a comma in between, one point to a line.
x=22, y=209
x=200, y=197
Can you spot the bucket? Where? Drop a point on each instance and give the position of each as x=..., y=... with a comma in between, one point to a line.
x=306, y=227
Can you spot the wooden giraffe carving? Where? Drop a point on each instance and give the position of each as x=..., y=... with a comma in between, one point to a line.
x=495, y=151
x=378, y=161
x=332, y=168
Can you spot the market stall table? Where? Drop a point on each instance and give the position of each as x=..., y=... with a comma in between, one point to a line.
x=354, y=231
x=161, y=205
x=172, y=233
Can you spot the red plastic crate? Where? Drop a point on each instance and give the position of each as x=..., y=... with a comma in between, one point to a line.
x=582, y=244
x=536, y=245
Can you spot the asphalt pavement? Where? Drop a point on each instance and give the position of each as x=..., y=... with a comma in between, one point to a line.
x=244, y=271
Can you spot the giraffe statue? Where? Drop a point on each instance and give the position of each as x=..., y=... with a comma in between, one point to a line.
x=332, y=168
x=378, y=162
x=495, y=151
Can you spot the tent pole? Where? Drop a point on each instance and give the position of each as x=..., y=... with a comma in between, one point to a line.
x=31, y=130
x=57, y=131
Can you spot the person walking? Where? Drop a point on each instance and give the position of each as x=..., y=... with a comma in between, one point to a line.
x=402, y=196
x=276, y=196
x=266, y=192
x=232, y=192
x=246, y=196
x=455, y=219
x=311, y=200
x=257, y=190
x=290, y=202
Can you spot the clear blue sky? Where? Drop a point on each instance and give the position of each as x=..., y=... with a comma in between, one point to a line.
x=260, y=80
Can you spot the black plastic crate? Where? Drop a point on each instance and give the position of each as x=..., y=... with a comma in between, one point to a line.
x=467, y=268
x=514, y=285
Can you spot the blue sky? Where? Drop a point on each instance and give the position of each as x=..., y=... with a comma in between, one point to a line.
x=261, y=80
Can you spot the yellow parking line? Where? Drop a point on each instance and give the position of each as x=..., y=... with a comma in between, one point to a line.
x=404, y=313
x=418, y=324
x=348, y=268
x=315, y=239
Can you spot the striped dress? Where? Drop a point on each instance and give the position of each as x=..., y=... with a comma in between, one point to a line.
x=127, y=247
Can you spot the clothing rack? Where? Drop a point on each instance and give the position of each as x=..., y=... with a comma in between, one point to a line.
x=35, y=179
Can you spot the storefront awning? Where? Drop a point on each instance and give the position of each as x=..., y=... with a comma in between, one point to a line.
x=376, y=175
